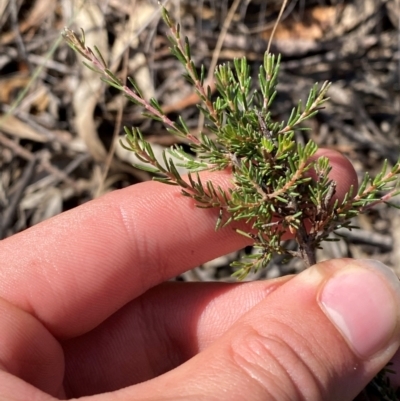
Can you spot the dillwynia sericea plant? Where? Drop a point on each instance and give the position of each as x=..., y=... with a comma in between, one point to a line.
x=273, y=189
x=277, y=187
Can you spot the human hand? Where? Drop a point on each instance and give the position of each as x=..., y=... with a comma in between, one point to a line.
x=85, y=309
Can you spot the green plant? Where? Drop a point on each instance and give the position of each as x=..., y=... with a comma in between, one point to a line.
x=277, y=185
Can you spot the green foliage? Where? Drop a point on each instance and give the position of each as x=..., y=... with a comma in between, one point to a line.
x=276, y=186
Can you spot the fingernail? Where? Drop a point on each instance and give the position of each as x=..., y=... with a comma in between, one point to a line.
x=363, y=301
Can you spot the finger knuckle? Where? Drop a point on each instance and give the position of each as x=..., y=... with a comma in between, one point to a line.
x=279, y=364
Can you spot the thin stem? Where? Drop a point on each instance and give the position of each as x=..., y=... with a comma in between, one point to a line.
x=197, y=84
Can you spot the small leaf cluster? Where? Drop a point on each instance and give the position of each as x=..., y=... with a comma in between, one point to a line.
x=278, y=185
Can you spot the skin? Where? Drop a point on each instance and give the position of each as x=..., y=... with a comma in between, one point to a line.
x=86, y=310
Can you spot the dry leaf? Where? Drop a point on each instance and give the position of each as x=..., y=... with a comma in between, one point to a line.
x=15, y=127
x=90, y=19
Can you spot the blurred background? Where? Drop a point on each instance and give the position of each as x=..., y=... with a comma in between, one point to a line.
x=60, y=125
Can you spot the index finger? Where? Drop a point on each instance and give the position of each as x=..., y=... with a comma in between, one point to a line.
x=84, y=264
x=75, y=270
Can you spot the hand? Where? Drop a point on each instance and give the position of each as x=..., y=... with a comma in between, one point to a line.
x=85, y=309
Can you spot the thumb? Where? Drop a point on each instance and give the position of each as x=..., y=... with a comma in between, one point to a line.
x=321, y=336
